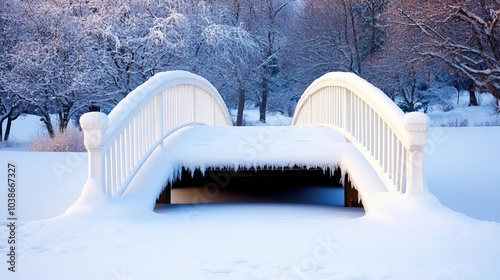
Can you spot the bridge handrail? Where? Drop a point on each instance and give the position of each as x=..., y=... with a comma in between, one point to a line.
x=118, y=144
x=391, y=141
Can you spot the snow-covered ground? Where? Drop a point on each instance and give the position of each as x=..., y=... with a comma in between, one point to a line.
x=451, y=236
x=463, y=115
x=251, y=118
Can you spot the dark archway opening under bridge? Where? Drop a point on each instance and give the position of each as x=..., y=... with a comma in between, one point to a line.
x=294, y=185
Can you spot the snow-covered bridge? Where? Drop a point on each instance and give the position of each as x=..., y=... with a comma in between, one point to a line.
x=178, y=120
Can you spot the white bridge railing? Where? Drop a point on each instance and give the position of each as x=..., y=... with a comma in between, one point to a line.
x=391, y=141
x=119, y=144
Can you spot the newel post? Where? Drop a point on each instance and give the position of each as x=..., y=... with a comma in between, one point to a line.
x=94, y=125
x=416, y=125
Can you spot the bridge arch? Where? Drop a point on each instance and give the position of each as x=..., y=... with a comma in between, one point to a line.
x=118, y=144
x=390, y=140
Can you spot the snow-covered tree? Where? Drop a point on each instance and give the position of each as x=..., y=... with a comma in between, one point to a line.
x=464, y=34
x=136, y=39
x=235, y=51
x=338, y=36
x=228, y=53
x=9, y=105
x=269, y=22
x=50, y=72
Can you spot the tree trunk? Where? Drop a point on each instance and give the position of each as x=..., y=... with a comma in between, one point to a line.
x=472, y=98
x=1, y=130
x=472, y=93
x=265, y=93
x=2, y=118
x=495, y=91
x=10, y=119
x=64, y=116
x=241, y=104
x=48, y=124
x=349, y=20
x=355, y=42
x=62, y=121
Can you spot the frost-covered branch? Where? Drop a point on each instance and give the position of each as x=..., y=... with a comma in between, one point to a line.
x=231, y=42
x=467, y=42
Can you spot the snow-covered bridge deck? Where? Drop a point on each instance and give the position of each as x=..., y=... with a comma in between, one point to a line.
x=235, y=148
x=258, y=147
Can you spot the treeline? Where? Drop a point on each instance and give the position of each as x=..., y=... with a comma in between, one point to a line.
x=63, y=57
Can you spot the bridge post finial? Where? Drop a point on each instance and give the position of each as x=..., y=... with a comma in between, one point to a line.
x=94, y=125
x=416, y=125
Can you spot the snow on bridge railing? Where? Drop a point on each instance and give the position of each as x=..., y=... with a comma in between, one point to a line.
x=391, y=141
x=119, y=144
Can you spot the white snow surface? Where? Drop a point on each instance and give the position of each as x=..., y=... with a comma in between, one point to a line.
x=472, y=115
x=256, y=146
x=452, y=235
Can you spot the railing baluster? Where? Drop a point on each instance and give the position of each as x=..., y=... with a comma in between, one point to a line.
x=151, y=125
x=379, y=138
x=388, y=151
x=119, y=161
x=384, y=147
x=337, y=105
x=131, y=151
x=107, y=172
x=125, y=151
x=404, y=170
x=366, y=120
x=376, y=138
x=136, y=140
x=394, y=159
x=145, y=127
x=114, y=170
x=332, y=114
x=372, y=132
